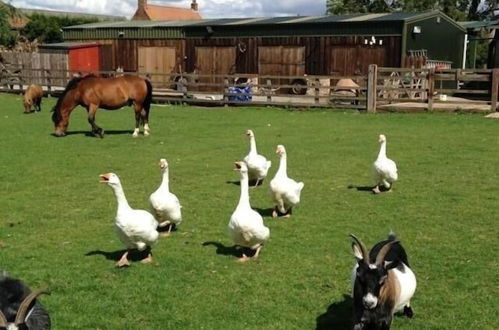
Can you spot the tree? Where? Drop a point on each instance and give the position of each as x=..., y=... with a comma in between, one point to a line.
x=7, y=35
x=48, y=29
x=460, y=10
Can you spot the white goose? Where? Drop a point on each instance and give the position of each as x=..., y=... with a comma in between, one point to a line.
x=385, y=169
x=135, y=228
x=258, y=165
x=285, y=191
x=166, y=206
x=246, y=226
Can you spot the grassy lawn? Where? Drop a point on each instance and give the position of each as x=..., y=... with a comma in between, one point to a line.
x=56, y=219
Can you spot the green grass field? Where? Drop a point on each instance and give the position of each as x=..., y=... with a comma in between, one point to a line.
x=57, y=220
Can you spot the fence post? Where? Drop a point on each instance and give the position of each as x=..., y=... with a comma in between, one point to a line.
x=431, y=88
x=49, y=82
x=372, y=81
x=226, y=90
x=494, y=89
x=317, y=84
x=269, y=91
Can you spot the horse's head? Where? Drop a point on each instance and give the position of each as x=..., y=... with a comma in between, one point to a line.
x=65, y=104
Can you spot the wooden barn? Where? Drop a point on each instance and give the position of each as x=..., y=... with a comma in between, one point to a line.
x=300, y=45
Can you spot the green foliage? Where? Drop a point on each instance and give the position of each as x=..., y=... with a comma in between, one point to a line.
x=57, y=229
x=47, y=29
x=7, y=36
x=460, y=10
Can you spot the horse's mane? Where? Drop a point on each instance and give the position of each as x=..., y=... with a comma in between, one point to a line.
x=72, y=84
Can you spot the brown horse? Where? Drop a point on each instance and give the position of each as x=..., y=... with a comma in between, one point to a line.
x=33, y=98
x=93, y=92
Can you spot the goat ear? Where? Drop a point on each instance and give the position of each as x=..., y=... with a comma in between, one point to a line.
x=357, y=252
x=389, y=264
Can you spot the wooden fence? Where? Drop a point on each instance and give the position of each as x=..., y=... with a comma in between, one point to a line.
x=35, y=67
x=432, y=89
x=382, y=89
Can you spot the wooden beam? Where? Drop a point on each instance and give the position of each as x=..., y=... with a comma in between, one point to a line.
x=431, y=88
x=494, y=89
x=372, y=80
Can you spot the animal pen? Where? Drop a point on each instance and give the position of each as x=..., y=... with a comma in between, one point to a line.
x=381, y=89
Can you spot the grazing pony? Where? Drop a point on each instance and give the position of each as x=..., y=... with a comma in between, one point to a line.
x=92, y=92
x=33, y=98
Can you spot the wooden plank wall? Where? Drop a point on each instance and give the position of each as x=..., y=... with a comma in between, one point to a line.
x=34, y=65
x=319, y=51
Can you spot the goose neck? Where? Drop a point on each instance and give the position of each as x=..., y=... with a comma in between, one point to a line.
x=244, y=198
x=382, y=150
x=165, y=182
x=253, y=145
x=283, y=166
x=120, y=198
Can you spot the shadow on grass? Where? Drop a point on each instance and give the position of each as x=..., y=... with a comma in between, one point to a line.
x=164, y=230
x=362, y=188
x=251, y=183
x=89, y=134
x=265, y=212
x=235, y=251
x=337, y=316
x=133, y=255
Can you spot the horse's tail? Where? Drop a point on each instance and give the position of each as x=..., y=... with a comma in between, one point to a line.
x=148, y=100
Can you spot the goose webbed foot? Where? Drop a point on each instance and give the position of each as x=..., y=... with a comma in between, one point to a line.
x=164, y=223
x=376, y=190
x=168, y=232
x=244, y=258
x=123, y=262
x=276, y=213
x=147, y=260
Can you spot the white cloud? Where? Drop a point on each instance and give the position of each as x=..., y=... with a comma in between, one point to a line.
x=208, y=8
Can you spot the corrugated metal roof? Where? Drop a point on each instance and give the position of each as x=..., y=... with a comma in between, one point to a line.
x=369, y=17
x=353, y=24
x=478, y=24
x=68, y=45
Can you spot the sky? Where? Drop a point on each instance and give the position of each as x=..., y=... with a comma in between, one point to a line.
x=207, y=8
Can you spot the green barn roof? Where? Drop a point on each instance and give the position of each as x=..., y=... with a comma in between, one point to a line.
x=369, y=24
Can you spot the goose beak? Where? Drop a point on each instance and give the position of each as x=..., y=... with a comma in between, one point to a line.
x=104, y=178
x=237, y=166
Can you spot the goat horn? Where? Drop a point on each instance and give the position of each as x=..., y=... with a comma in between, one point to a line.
x=363, y=249
x=3, y=320
x=383, y=251
x=23, y=309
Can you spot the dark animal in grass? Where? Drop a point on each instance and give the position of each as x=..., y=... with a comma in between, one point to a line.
x=19, y=308
x=33, y=98
x=92, y=93
x=383, y=284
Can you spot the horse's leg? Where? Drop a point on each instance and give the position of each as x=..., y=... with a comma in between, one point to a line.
x=137, y=122
x=96, y=130
x=145, y=120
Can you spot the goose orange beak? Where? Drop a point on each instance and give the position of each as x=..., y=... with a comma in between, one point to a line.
x=104, y=178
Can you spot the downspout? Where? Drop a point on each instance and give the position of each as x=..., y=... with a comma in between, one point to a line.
x=465, y=49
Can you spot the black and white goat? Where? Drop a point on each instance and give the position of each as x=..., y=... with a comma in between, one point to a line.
x=19, y=308
x=383, y=284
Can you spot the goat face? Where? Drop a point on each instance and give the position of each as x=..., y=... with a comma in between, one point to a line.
x=368, y=283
